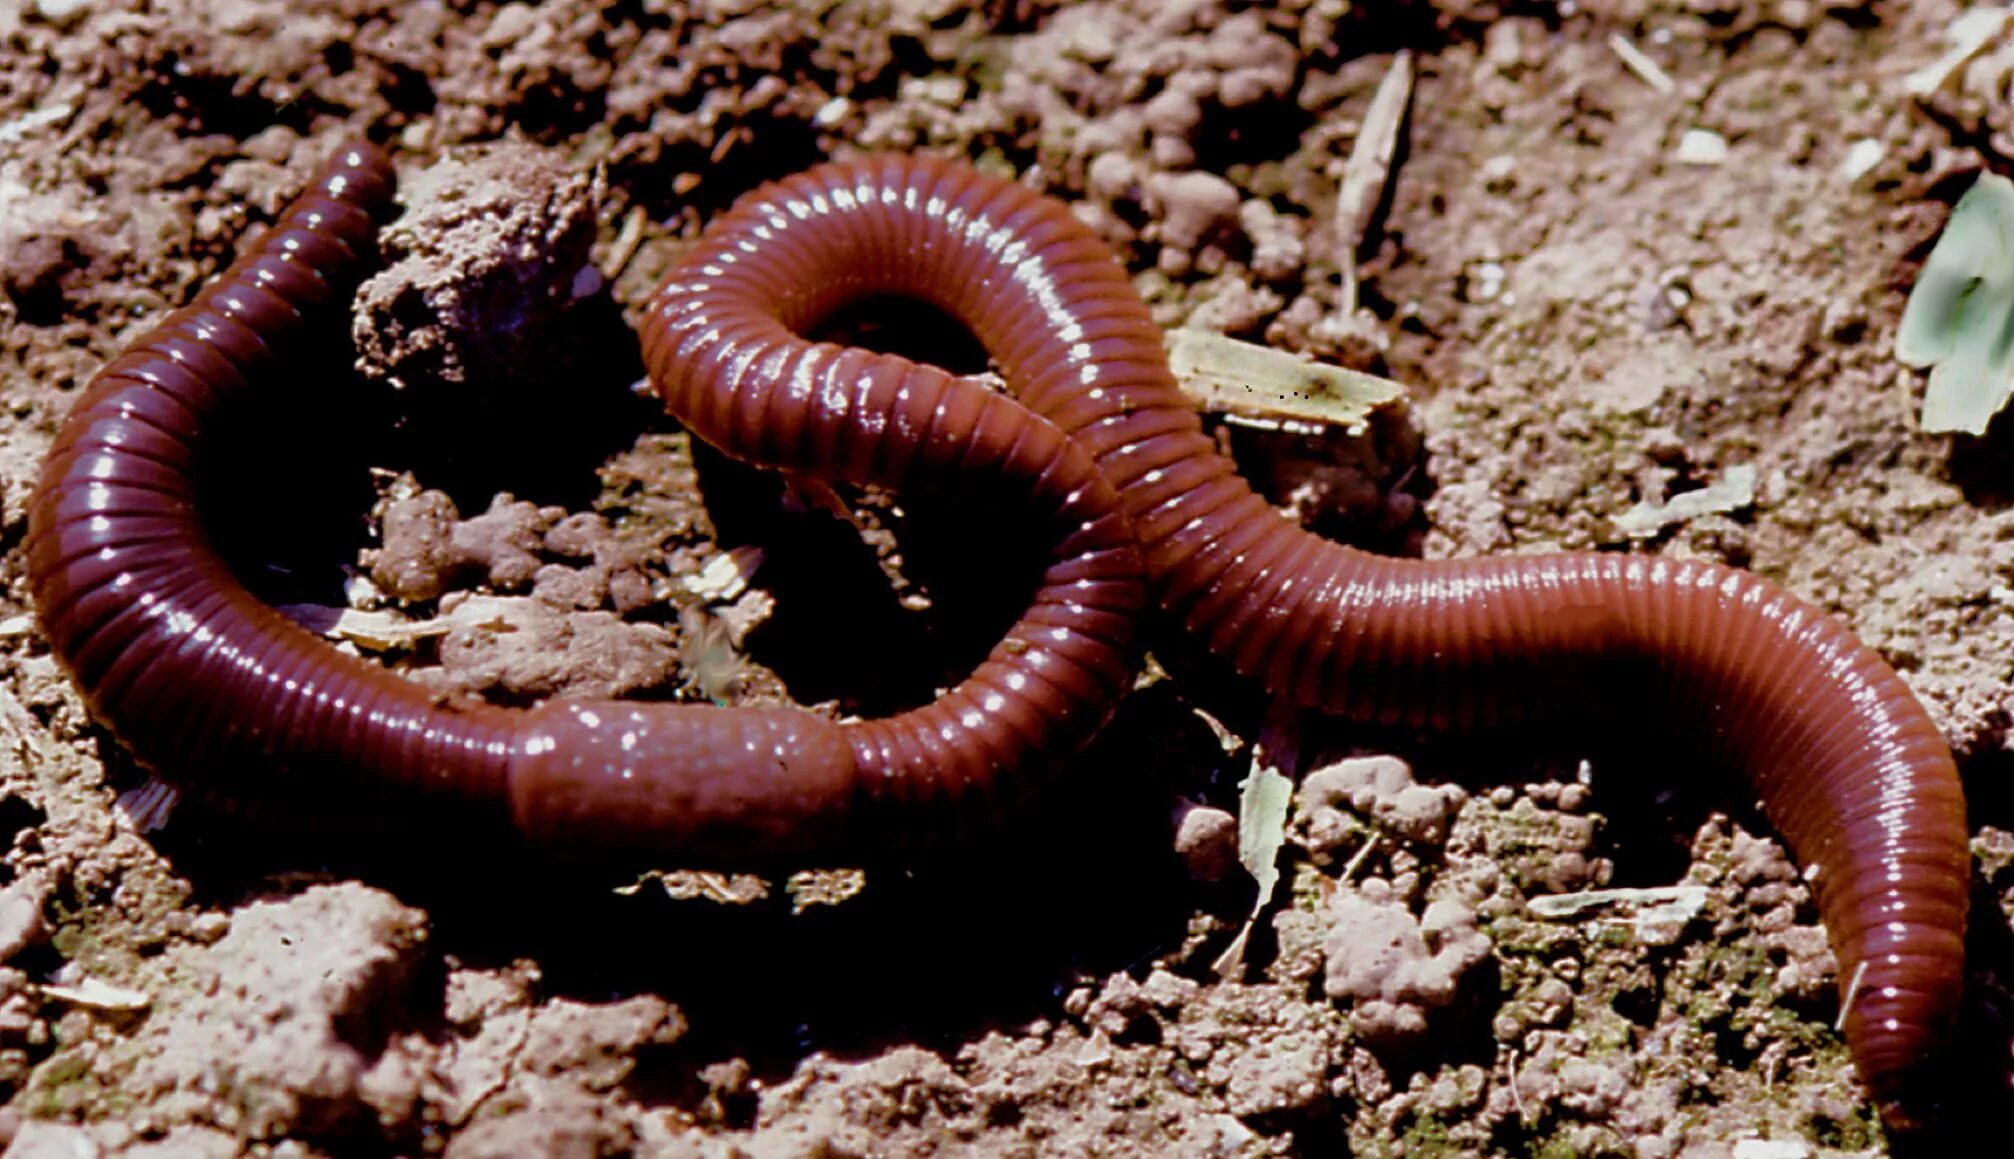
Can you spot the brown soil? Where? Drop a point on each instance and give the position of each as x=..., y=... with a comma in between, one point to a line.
x=1587, y=321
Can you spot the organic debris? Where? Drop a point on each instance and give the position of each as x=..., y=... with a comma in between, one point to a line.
x=1960, y=317
x=1369, y=173
x=1263, y=797
x=1967, y=35
x=373, y=630
x=94, y=994
x=1275, y=389
x=1646, y=69
x=1678, y=902
x=1734, y=491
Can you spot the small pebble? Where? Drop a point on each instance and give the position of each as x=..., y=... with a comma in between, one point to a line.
x=1861, y=158
x=61, y=13
x=1206, y=838
x=210, y=927
x=21, y=922
x=1701, y=147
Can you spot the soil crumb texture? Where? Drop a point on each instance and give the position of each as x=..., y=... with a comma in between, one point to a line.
x=1639, y=265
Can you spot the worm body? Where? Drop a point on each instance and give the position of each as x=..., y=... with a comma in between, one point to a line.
x=1845, y=761
x=199, y=678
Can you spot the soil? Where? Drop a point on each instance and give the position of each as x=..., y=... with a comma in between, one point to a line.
x=1594, y=314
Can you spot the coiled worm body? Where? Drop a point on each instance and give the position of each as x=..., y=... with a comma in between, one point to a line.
x=194, y=674
x=1844, y=759
x=197, y=676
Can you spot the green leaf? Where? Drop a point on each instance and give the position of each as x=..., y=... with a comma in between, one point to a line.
x=1263, y=798
x=1960, y=316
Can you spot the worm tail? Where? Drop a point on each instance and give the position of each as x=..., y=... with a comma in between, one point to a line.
x=1847, y=764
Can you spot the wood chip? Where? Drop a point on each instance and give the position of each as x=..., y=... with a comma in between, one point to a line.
x=1861, y=158
x=27, y=123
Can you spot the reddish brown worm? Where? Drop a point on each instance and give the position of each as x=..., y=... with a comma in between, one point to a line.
x=192, y=672
x=1846, y=762
x=195, y=675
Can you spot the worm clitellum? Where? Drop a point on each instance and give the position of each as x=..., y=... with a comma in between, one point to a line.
x=196, y=676
x=1845, y=761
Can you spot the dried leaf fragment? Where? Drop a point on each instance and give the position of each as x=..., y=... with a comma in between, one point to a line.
x=1679, y=901
x=1734, y=491
x=1972, y=31
x=380, y=630
x=97, y=995
x=1242, y=380
x=726, y=575
x=1263, y=800
x=702, y=885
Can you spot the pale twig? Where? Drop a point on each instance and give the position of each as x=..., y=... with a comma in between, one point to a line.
x=1852, y=992
x=1357, y=859
x=1645, y=68
x=1369, y=171
x=625, y=245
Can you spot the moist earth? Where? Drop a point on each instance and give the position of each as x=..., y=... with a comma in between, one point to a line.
x=1631, y=250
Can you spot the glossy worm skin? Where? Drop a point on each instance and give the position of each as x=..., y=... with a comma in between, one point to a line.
x=196, y=676
x=200, y=679
x=1845, y=761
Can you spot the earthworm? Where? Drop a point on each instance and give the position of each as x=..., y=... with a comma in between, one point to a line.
x=1847, y=764
x=196, y=676
x=201, y=680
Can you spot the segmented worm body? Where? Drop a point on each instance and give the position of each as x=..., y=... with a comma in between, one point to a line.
x=197, y=676
x=1845, y=761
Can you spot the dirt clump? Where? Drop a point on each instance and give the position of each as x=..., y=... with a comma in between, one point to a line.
x=491, y=253
x=268, y=1031
x=1395, y=969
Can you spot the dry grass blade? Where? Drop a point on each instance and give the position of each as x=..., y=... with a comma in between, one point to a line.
x=1369, y=171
